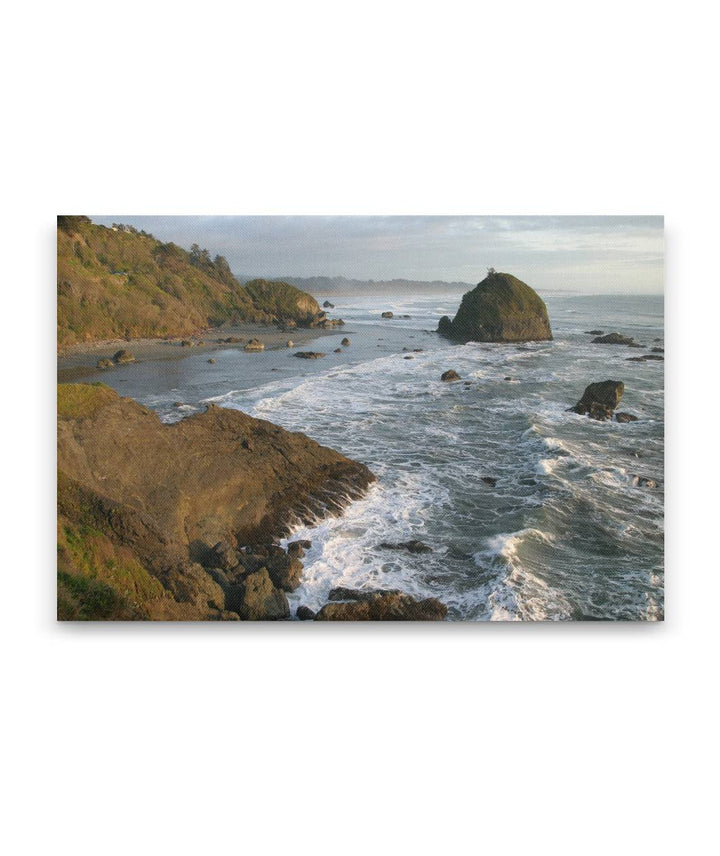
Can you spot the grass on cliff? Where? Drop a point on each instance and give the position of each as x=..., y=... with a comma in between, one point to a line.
x=80, y=400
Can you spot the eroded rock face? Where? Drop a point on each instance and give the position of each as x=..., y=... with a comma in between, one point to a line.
x=378, y=605
x=600, y=400
x=501, y=308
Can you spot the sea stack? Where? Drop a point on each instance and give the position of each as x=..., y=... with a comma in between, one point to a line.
x=501, y=308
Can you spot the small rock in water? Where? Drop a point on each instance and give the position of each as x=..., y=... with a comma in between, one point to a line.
x=211, y=360
x=309, y=355
x=409, y=358
x=489, y=480
x=411, y=546
x=387, y=315
x=643, y=481
x=338, y=351
x=658, y=350
x=600, y=400
x=450, y=375
x=105, y=364
x=508, y=378
x=123, y=357
x=612, y=339
x=254, y=345
x=345, y=342
x=625, y=417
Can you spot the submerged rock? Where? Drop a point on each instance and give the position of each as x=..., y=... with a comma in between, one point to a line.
x=613, y=339
x=501, y=308
x=377, y=605
x=211, y=360
x=600, y=399
x=411, y=546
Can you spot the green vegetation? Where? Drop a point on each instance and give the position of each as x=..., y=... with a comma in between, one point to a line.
x=120, y=283
x=80, y=400
x=281, y=300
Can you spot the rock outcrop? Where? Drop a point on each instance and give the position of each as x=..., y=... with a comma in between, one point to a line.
x=614, y=339
x=600, y=400
x=501, y=308
x=379, y=605
x=141, y=504
x=449, y=376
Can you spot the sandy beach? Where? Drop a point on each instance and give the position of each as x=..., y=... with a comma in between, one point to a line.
x=76, y=361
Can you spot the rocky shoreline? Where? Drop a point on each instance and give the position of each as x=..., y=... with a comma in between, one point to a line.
x=182, y=521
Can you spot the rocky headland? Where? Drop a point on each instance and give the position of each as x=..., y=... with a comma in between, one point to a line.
x=181, y=521
x=501, y=308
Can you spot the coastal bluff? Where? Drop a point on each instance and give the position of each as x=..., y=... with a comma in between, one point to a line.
x=141, y=503
x=501, y=308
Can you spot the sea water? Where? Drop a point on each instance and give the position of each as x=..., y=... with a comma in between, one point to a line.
x=566, y=532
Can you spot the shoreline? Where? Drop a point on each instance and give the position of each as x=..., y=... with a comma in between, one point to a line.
x=76, y=361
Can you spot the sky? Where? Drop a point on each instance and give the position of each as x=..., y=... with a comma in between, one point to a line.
x=601, y=255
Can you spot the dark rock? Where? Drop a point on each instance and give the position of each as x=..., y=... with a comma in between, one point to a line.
x=508, y=378
x=296, y=549
x=652, y=357
x=309, y=355
x=257, y=599
x=285, y=571
x=211, y=360
x=337, y=351
x=387, y=315
x=658, y=350
x=501, y=308
x=489, y=480
x=612, y=339
x=634, y=359
x=411, y=546
x=635, y=345
x=600, y=399
x=220, y=577
x=186, y=343
x=105, y=363
x=376, y=605
x=123, y=357
x=223, y=556
x=643, y=481
x=409, y=358
x=304, y=543
x=450, y=375
x=345, y=342
x=625, y=417
x=178, y=404
x=594, y=332
x=304, y=613
x=328, y=305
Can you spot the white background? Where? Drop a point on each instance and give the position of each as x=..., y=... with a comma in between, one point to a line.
x=588, y=739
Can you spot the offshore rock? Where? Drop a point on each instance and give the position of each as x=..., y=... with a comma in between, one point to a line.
x=501, y=308
x=600, y=400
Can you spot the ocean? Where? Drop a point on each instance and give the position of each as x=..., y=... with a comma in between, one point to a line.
x=565, y=532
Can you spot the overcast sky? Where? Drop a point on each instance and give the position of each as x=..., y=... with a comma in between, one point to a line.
x=592, y=254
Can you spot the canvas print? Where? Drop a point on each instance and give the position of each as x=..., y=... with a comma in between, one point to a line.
x=360, y=418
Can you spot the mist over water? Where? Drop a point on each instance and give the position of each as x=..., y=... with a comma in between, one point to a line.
x=565, y=532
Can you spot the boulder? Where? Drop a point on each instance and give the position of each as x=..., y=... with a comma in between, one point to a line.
x=211, y=360
x=625, y=417
x=123, y=357
x=345, y=342
x=255, y=598
x=613, y=339
x=309, y=355
x=254, y=345
x=285, y=571
x=501, y=308
x=304, y=613
x=387, y=315
x=600, y=399
x=105, y=363
x=223, y=556
x=377, y=605
x=411, y=546
x=450, y=375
